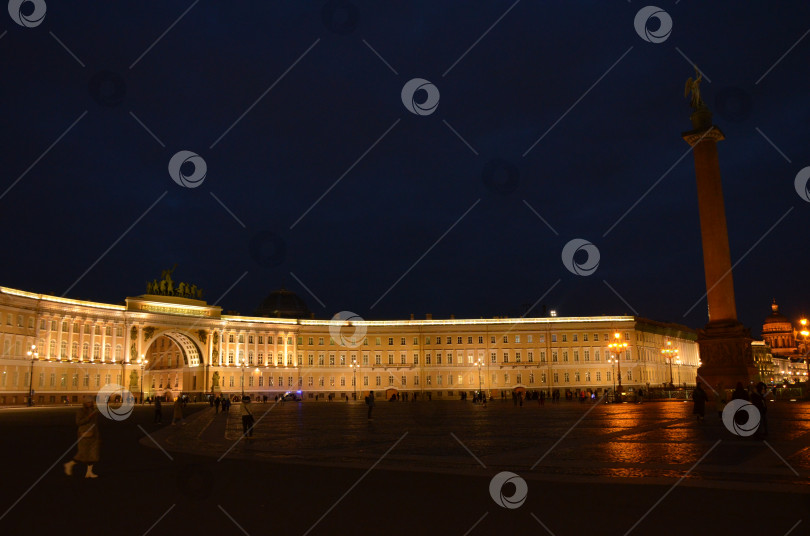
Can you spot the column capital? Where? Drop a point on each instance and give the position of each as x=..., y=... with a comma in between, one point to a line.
x=713, y=133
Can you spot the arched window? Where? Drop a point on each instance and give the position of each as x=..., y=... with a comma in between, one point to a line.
x=86, y=350
x=75, y=350
x=52, y=350
x=63, y=352
x=97, y=351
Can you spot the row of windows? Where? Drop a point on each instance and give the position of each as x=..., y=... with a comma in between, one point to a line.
x=279, y=340
x=449, y=379
x=460, y=339
x=65, y=380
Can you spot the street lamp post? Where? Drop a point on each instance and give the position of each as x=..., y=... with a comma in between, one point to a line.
x=354, y=366
x=34, y=355
x=612, y=362
x=805, y=333
x=618, y=346
x=142, y=362
x=668, y=352
x=678, y=362
x=480, y=380
x=242, y=362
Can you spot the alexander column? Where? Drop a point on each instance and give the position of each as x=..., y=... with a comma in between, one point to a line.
x=725, y=344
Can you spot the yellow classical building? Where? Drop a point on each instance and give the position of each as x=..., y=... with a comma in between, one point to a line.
x=163, y=345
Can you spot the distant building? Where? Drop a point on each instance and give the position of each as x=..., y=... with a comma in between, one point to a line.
x=778, y=333
x=788, y=347
x=182, y=345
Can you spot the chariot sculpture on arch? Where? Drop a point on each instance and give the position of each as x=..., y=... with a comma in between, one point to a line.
x=166, y=286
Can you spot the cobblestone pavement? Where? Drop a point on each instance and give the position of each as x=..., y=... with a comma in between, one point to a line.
x=323, y=469
x=632, y=443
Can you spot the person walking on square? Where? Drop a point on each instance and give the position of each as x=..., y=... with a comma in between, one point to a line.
x=217, y=402
x=89, y=443
x=158, y=411
x=740, y=393
x=758, y=399
x=699, y=398
x=370, y=403
x=178, y=411
x=247, y=417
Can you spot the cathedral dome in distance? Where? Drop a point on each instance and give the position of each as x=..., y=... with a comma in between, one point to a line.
x=283, y=303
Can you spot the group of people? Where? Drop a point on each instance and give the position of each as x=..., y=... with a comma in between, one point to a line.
x=758, y=398
x=177, y=410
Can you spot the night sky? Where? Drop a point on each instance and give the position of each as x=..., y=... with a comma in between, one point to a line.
x=335, y=111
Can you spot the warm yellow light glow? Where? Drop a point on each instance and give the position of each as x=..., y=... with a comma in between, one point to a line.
x=803, y=321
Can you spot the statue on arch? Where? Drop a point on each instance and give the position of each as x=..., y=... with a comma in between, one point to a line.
x=215, y=380
x=133, y=380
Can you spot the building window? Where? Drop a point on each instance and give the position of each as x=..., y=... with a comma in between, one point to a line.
x=531, y=357
x=553, y=337
x=598, y=376
x=565, y=356
x=542, y=377
x=415, y=359
x=576, y=377
x=390, y=341
x=517, y=357
x=506, y=357
x=587, y=355
x=492, y=357
x=566, y=377
x=576, y=355
x=556, y=377
x=517, y=339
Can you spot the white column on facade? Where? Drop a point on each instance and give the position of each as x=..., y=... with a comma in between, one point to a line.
x=46, y=351
x=81, y=338
x=140, y=341
x=92, y=349
x=221, y=349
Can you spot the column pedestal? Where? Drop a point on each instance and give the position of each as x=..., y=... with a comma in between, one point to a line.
x=726, y=354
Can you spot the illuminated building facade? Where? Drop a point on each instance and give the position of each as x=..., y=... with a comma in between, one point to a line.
x=186, y=346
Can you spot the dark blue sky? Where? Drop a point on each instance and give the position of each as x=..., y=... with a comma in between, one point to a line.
x=420, y=178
